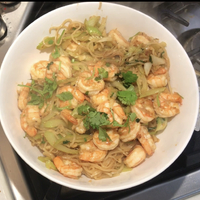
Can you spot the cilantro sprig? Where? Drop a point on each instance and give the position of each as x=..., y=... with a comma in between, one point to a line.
x=95, y=120
x=85, y=109
x=127, y=97
x=129, y=78
x=102, y=74
x=131, y=116
x=49, y=64
x=65, y=96
x=36, y=100
x=56, y=53
x=38, y=96
x=103, y=136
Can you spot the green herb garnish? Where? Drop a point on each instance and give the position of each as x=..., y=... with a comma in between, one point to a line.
x=65, y=96
x=56, y=53
x=49, y=64
x=85, y=109
x=127, y=97
x=103, y=136
x=95, y=120
x=102, y=74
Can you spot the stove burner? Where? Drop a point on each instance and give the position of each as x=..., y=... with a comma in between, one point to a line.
x=195, y=45
x=3, y=29
x=172, y=10
x=190, y=41
x=9, y=3
x=7, y=7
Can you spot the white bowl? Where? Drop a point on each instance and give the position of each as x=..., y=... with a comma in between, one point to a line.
x=23, y=53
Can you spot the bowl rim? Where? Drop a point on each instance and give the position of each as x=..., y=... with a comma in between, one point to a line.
x=121, y=187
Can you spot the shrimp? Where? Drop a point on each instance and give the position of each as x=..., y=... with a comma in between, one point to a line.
x=87, y=83
x=79, y=128
x=146, y=140
x=78, y=97
x=118, y=112
x=38, y=71
x=110, y=144
x=72, y=47
x=158, y=78
x=135, y=157
x=126, y=135
x=111, y=69
x=30, y=119
x=167, y=105
x=140, y=38
x=89, y=152
x=100, y=98
x=118, y=38
x=78, y=124
x=144, y=110
x=23, y=96
x=66, y=116
x=68, y=168
x=62, y=67
x=43, y=111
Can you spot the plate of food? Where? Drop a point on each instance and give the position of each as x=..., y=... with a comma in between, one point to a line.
x=98, y=101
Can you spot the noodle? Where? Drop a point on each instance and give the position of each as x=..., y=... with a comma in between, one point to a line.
x=95, y=107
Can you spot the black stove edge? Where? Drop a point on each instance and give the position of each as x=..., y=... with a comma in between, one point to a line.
x=176, y=189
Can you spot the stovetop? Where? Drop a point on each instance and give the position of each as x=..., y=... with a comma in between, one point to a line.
x=180, y=180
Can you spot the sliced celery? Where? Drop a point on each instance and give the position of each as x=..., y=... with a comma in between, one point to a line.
x=51, y=139
x=43, y=159
x=52, y=123
x=118, y=85
x=152, y=91
x=50, y=165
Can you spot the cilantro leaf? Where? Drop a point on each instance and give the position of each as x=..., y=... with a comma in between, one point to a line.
x=102, y=74
x=150, y=59
x=85, y=109
x=49, y=87
x=103, y=135
x=65, y=96
x=127, y=97
x=129, y=78
x=49, y=64
x=108, y=64
x=39, y=97
x=56, y=53
x=96, y=119
x=132, y=116
x=115, y=123
x=139, y=61
x=65, y=142
x=36, y=100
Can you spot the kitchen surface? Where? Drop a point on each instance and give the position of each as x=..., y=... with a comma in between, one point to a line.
x=180, y=181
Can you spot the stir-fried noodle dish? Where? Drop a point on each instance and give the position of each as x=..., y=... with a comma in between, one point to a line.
x=96, y=106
